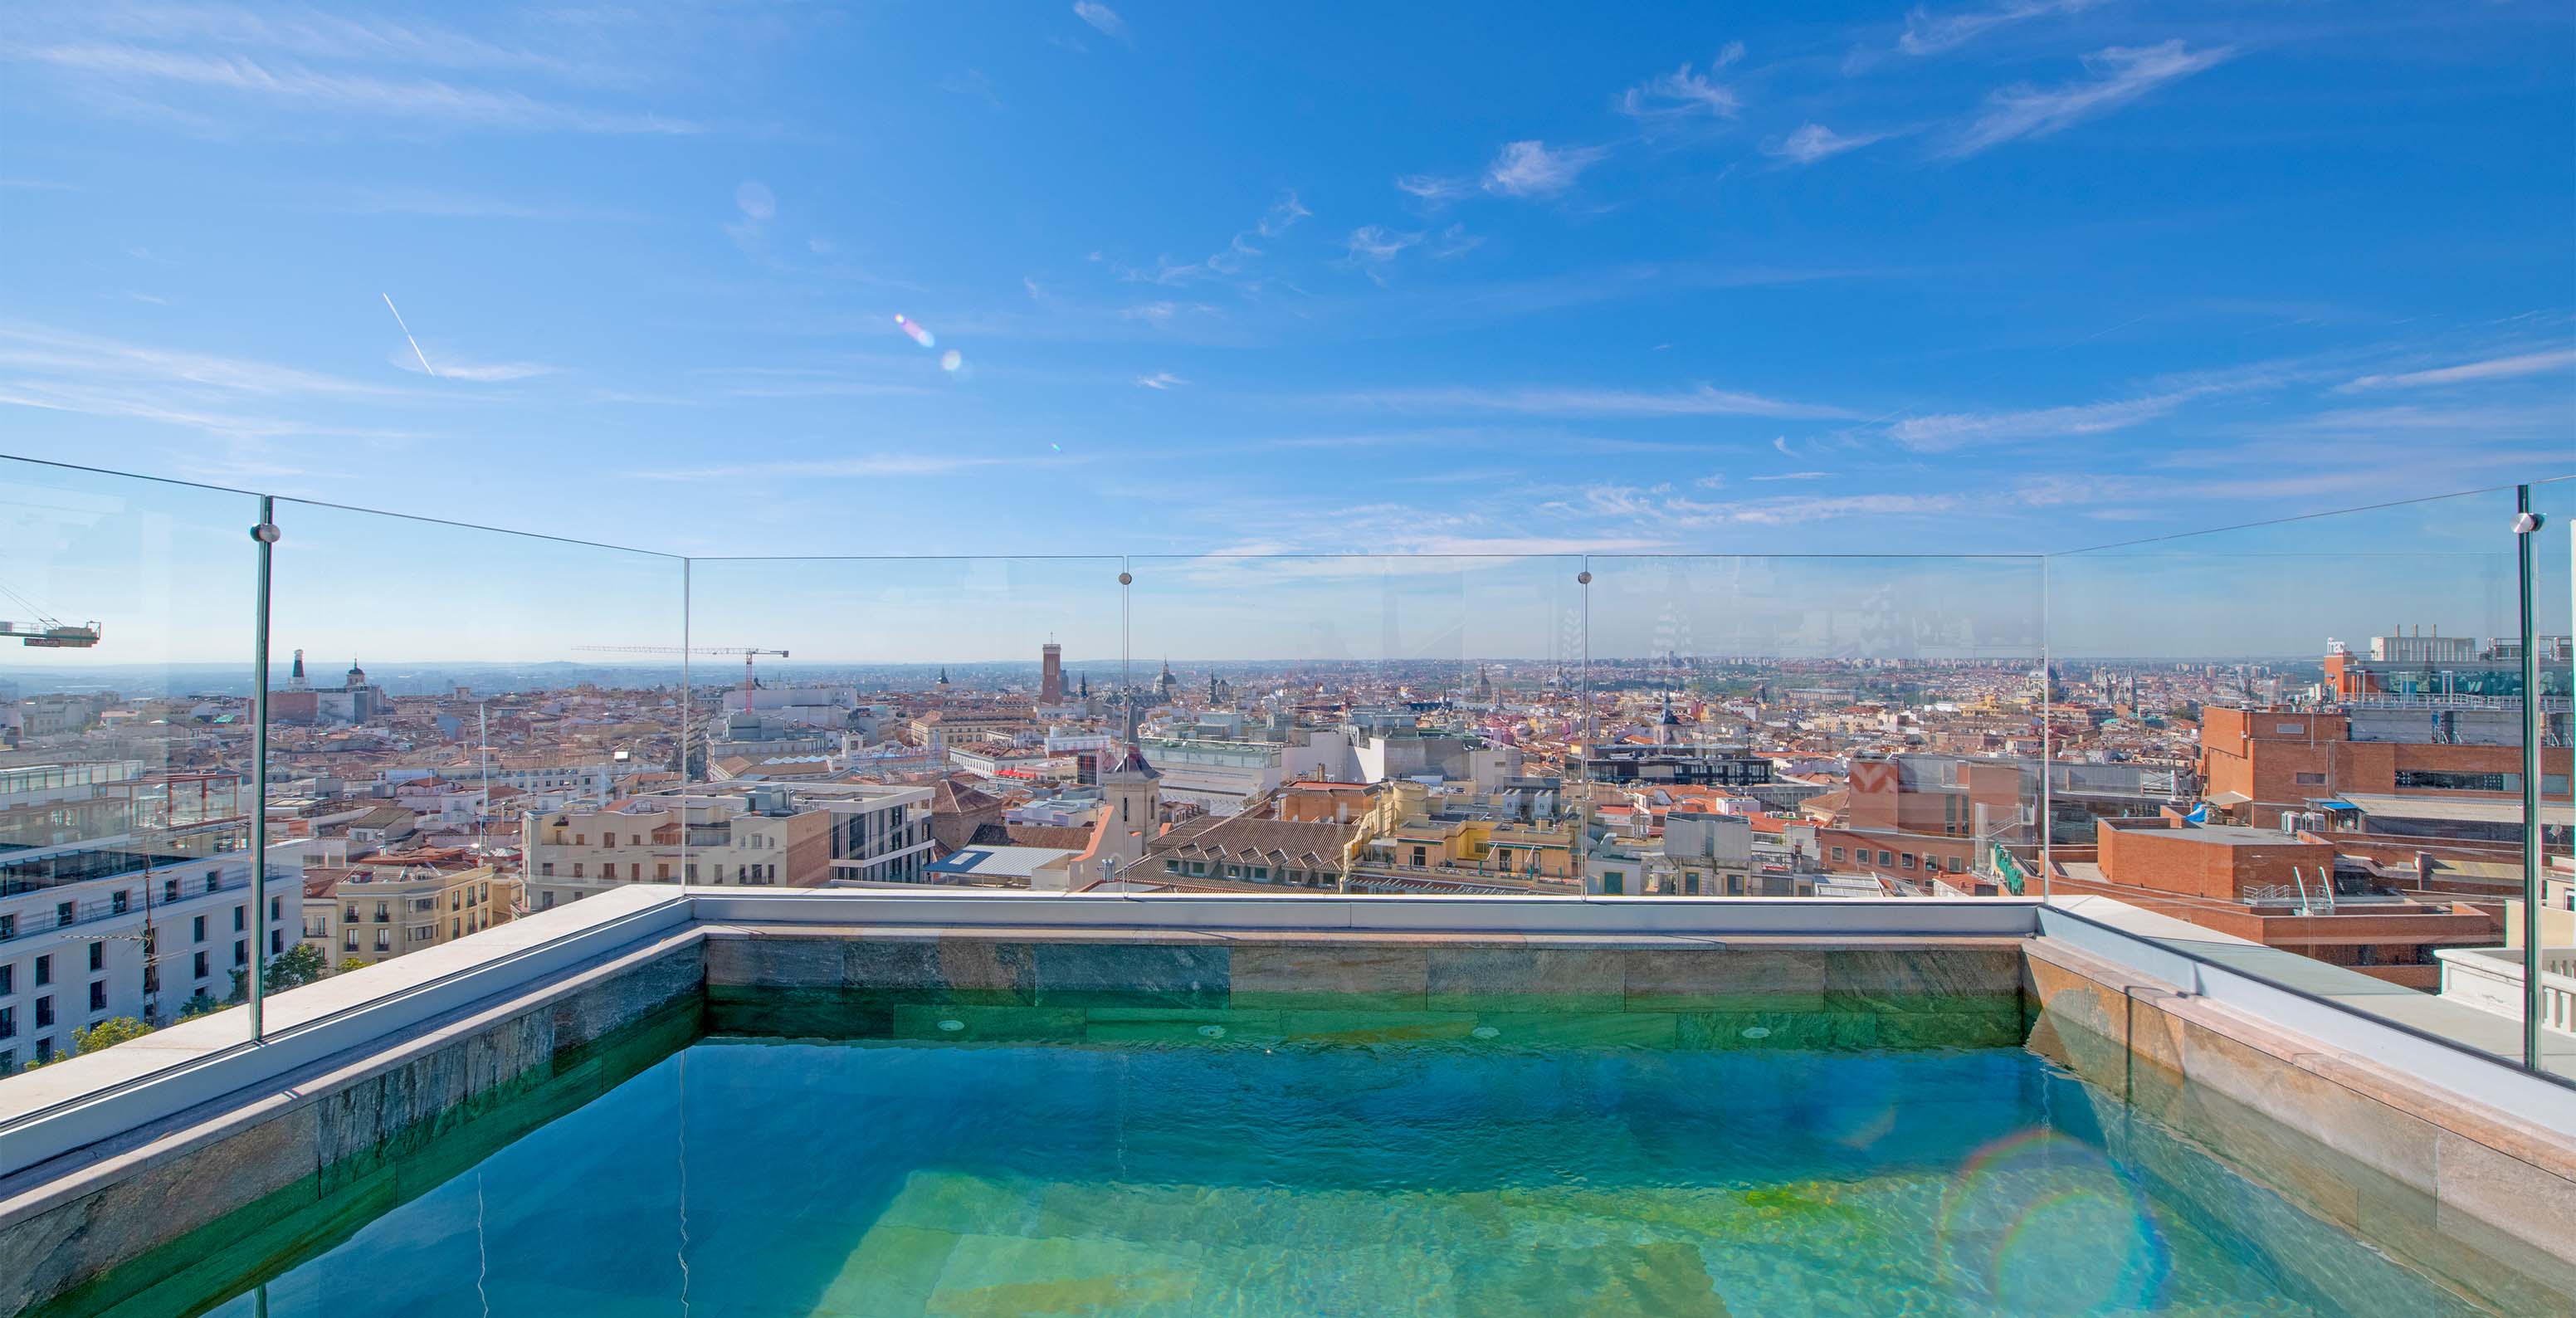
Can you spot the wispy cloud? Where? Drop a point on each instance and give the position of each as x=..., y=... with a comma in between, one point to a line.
x=1376, y=243
x=2493, y=368
x=1943, y=433
x=1283, y=213
x=1682, y=93
x=1796, y=476
x=1160, y=380
x=419, y=102
x=1235, y=260
x=868, y=465
x=1102, y=17
x=1813, y=142
x=1433, y=188
x=451, y=367
x=971, y=83
x=2120, y=74
x=441, y=204
x=1702, y=401
x=1927, y=33
x=1529, y=169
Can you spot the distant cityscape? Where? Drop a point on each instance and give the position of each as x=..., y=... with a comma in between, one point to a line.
x=415, y=804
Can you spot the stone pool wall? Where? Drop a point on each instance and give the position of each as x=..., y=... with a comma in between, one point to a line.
x=1113, y=987
x=254, y=1180
x=2457, y=1188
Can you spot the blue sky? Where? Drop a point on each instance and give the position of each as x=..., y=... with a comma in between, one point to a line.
x=1997, y=276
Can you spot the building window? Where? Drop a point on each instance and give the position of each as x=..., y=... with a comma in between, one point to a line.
x=116, y=902
x=44, y=971
x=241, y=918
x=197, y=928
x=1886, y=858
x=384, y=940
x=384, y=912
x=98, y=956
x=169, y=890
x=201, y=967
x=576, y=869
x=1613, y=883
x=211, y=883
x=2444, y=780
x=98, y=995
x=44, y=1013
x=1906, y=860
x=62, y=913
x=8, y=1022
x=2311, y=780
x=241, y=952
x=8, y=980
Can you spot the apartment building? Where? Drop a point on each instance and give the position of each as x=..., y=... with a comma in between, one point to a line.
x=2434, y=770
x=804, y=835
x=96, y=930
x=401, y=902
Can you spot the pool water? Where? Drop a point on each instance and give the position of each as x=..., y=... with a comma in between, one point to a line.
x=745, y=1178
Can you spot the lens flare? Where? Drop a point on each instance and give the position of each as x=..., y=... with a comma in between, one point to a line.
x=2046, y=1224
x=951, y=360
x=914, y=328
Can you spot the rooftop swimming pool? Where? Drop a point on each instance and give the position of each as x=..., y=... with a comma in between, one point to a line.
x=954, y=1160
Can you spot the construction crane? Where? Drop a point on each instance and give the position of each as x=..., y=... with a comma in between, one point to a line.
x=45, y=632
x=746, y=651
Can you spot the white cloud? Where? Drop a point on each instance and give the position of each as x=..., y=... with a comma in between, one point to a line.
x=2494, y=368
x=2120, y=74
x=1102, y=17
x=1798, y=476
x=1942, y=433
x=1927, y=33
x=419, y=101
x=451, y=368
x=874, y=464
x=1682, y=93
x=1287, y=211
x=1702, y=401
x=461, y=205
x=1233, y=261
x=1432, y=188
x=1377, y=243
x=1813, y=142
x=1529, y=169
x=1160, y=380
x=756, y=200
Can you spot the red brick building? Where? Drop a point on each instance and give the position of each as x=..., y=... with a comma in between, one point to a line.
x=2281, y=890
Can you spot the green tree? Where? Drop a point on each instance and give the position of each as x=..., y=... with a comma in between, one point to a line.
x=299, y=965
x=109, y=1033
x=198, y=1004
x=351, y=963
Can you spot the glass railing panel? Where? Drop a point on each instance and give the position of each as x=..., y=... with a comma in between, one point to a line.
x=2346, y=693
x=451, y=710
x=125, y=754
x=1363, y=724
x=2553, y=578
x=948, y=720
x=1814, y=726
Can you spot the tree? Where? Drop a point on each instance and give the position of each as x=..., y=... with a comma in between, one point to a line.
x=297, y=966
x=109, y=1033
x=351, y=963
x=198, y=1004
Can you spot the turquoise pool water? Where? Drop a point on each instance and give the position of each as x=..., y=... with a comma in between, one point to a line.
x=757, y=1179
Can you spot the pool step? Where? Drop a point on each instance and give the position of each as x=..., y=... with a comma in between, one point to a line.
x=957, y=1245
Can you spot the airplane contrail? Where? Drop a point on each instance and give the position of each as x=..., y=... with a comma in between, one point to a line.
x=407, y=338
